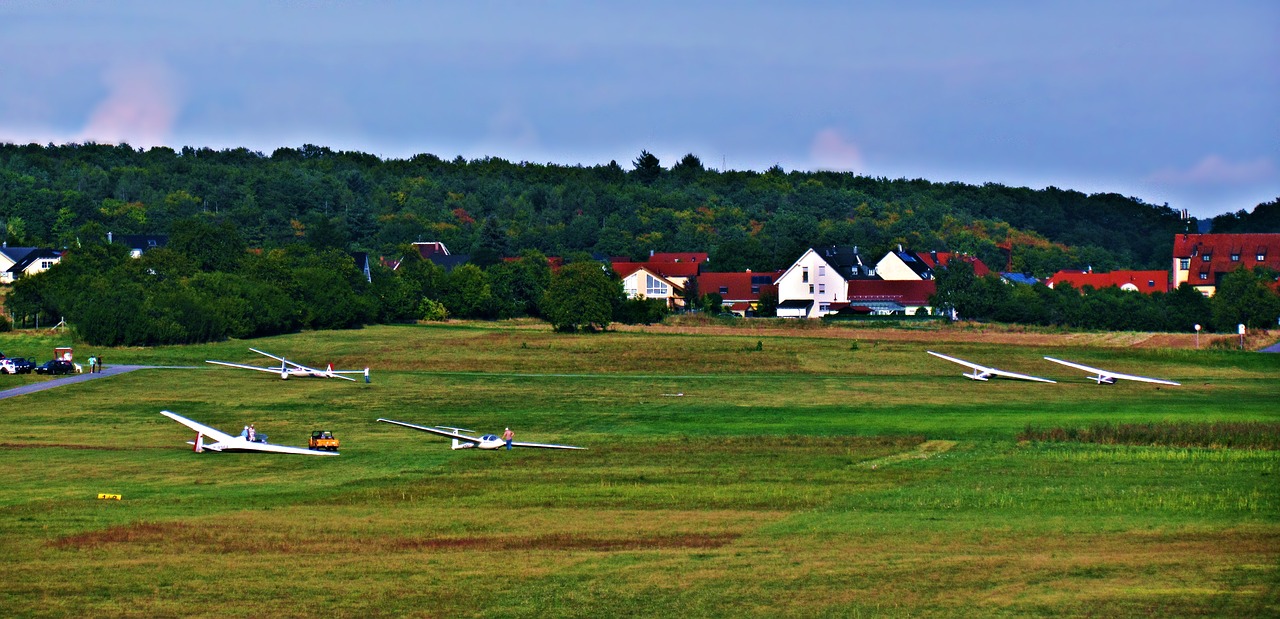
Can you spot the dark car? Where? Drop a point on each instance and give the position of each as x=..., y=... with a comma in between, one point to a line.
x=22, y=365
x=57, y=366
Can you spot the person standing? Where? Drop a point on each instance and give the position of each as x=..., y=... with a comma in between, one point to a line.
x=93, y=364
x=507, y=436
x=99, y=360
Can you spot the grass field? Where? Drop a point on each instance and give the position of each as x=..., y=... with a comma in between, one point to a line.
x=829, y=472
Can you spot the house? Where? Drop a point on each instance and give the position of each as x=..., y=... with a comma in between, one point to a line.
x=677, y=272
x=1203, y=259
x=903, y=265
x=362, y=264
x=18, y=261
x=1022, y=279
x=1139, y=281
x=819, y=278
x=32, y=261
x=139, y=244
x=878, y=297
x=640, y=281
x=436, y=252
x=739, y=292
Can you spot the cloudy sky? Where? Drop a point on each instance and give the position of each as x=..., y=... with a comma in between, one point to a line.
x=1172, y=102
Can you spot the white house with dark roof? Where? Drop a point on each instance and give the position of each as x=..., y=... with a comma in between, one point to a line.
x=16, y=262
x=817, y=283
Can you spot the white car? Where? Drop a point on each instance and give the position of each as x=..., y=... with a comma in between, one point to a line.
x=7, y=367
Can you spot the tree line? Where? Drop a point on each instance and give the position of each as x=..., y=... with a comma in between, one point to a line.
x=492, y=207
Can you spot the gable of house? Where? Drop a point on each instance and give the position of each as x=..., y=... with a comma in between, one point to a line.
x=644, y=283
x=37, y=261
x=10, y=256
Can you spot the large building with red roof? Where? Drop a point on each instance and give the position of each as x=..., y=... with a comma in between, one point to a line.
x=1139, y=281
x=1203, y=259
x=739, y=292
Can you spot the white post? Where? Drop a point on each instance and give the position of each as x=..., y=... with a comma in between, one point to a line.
x=1197, y=337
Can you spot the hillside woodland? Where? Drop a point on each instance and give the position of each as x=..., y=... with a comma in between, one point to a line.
x=259, y=244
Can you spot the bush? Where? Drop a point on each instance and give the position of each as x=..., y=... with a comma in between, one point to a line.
x=432, y=310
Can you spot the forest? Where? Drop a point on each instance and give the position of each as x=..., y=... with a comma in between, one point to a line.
x=491, y=207
x=261, y=244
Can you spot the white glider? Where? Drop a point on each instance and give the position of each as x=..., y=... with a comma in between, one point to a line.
x=462, y=441
x=982, y=372
x=226, y=442
x=288, y=368
x=1104, y=377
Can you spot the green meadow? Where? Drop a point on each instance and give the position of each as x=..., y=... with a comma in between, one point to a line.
x=828, y=472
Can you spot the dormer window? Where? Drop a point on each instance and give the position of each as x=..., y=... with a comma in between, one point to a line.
x=1262, y=256
x=1184, y=264
x=1235, y=257
x=1204, y=277
x=1207, y=257
x=1151, y=283
x=724, y=290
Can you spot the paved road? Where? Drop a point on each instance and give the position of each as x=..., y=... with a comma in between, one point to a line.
x=79, y=378
x=1272, y=348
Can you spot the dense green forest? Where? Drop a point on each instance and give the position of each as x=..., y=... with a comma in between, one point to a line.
x=492, y=207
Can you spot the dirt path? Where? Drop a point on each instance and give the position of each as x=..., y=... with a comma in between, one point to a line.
x=77, y=378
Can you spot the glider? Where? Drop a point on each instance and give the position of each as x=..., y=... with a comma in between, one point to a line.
x=1105, y=377
x=982, y=372
x=226, y=442
x=288, y=368
x=462, y=441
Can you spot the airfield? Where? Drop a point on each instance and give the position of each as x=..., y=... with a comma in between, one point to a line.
x=728, y=472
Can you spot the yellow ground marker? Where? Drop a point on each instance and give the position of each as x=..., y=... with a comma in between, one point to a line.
x=114, y=497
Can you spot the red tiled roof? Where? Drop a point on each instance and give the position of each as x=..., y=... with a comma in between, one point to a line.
x=678, y=257
x=1220, y=248
x=905, y=292
x=665, y=269
x=944, y=258
x=1144, y=281
x=738, y=284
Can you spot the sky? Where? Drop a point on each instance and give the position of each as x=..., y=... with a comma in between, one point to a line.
x=1172, y=102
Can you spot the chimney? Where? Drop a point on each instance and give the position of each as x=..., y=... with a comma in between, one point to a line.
x=899, y=247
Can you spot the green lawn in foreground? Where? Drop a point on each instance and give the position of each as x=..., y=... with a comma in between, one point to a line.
x=808, y=478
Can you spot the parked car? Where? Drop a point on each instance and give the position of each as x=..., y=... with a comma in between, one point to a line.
x=57, y=366
x=22, y=365
x=7, y=367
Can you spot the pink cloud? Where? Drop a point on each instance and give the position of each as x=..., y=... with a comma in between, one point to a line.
x=1216, y=170
x=832, y=151
x=141, y=106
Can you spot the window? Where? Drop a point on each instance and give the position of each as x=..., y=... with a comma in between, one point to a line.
x=1204, y=277
x=1184, y=264
x=804, y=275
x=810, y=288
x=654, y=287
x=1151, y=283
x=1262, y=256
x=1235, y=257
x=755, y=288
x=1207, y=257
x=822, y=270
x=822, y=288
x=724, y=290
x=824, y=307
